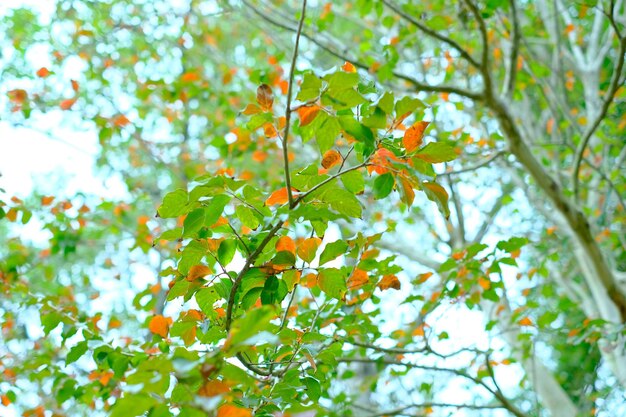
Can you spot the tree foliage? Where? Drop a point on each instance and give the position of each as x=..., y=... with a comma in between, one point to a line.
x=315, y=196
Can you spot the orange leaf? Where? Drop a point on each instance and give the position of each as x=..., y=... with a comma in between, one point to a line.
x=348, y=67
x=5, y=400
x=424, y=277
x=190, y=77
x=264, y=97
x=67, y=104
x=409, y=194
x=269, y=130
x=278, y=197
x=229, y=410
x=414, y=135
x=286, y=244
x=43, y=72
x=389, y=281
x=74, y=85
x=331, y=158
x=47, y=200
x=525, y=322
x=358, y=279
x=11, y=214
x=18, y=95
x=213, y=388
x=197, y=272
x=308, y=248
x=307, y=114
x=120, y=120
x=251, y=109
x=160, y=325
x=484, y=283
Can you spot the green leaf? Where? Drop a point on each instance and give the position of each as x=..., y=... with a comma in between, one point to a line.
x=512, y=244
x=193, y=222
x=327, y=133
x=408, y=105
x=341, y=80
x=310, y=87
x=174, y=204
x=357, y=130
x=343, y=201
x=386, y=103
x=226, y=251
x=383, y=185
x=333, y=250
x=215, y=209
x=436, y=152
x=353, y=181
x=133, y=405
x=313, y=388
x=76, y=352
x=251, y=324
x=377, y=120
x=247, y=216
x=333, y=282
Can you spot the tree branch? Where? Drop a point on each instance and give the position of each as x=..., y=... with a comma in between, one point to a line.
x=419, y=86
x=608, y=100
x=515, y=43
x=432, y=33
x=288, y=110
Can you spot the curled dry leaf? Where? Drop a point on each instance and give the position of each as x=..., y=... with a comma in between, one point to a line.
x=389, y=281
x=413, y=137
x=265, y=97
x=331, y=158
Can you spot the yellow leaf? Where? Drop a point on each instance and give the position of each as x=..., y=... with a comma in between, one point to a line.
x=197, y=272
x=308, y=248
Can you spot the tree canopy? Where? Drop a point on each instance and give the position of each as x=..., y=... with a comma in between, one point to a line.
x=360, y=208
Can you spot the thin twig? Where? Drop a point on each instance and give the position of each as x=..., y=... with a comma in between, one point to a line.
x=288, y=110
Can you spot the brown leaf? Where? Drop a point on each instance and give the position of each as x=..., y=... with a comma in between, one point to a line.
x=389, y=281
x=414, y=135
x=264, y=97
x=331, y=158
